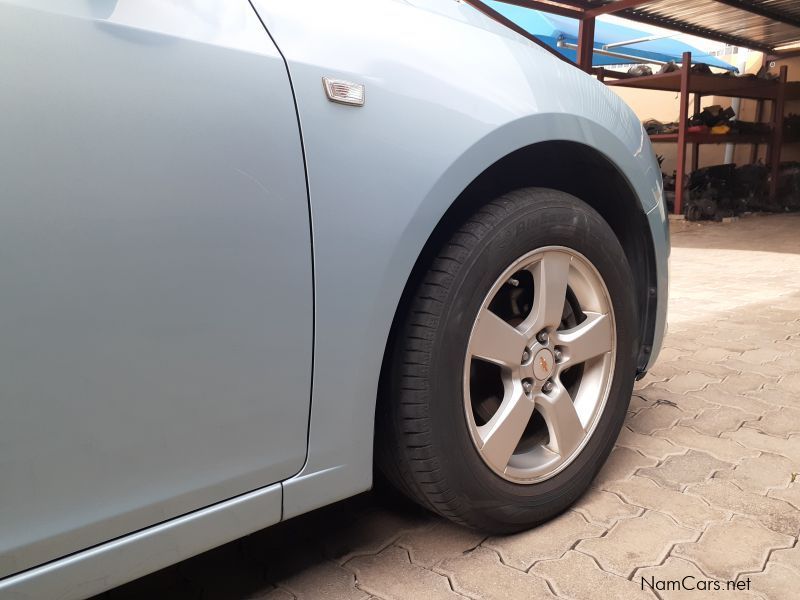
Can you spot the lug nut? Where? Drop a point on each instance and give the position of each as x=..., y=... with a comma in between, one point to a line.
x=558, y=355
x=527, y=386
x=541, y=337
x=526, y=356
x=547, y=387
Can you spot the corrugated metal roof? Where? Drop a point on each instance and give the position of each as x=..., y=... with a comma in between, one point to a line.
x=759, y=24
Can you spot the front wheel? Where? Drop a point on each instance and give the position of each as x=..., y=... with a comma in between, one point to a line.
x=513, y=368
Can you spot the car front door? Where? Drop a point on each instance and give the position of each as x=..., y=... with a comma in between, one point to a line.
x=156, y=302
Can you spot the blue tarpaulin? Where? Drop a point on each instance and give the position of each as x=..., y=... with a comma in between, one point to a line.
x=550, y=28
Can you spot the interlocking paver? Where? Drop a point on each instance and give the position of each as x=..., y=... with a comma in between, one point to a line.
x=578, y=577
x=368, y=535
x=678, y=471
x=687, y=510
x=430, y=545
x=712, y=354
x=662, y=371
x=687, y=382
x=480, y=574
x=324, y=580
x=784, y=345
x=737, y=345
x=746, y=382
x=653, y=418
x=678, y=579
x=791, y=383
x=669, y=354
x=790, y=494
x=760, y=473
x=632, y=543
x=733, y=547
x=750, y=402
x=639, y=401
x=781, y=422
x=683, y=341
x=722, y=448
x=714, y=421
x=777, y=581
x=756, y=440
x=654, y=376
x=760, y=356
x=621, y=464
x=648, y=445
x=775, y=396
x=770, y=512
x=718, y=370
x=550, y=540
x=770, y=369
x=391, y=575
x=788, y=557
x=690, y=403
x=604, y=508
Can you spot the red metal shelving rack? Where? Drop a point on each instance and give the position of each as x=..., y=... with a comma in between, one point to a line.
x=685, y=83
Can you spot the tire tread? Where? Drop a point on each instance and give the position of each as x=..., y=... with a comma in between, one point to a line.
x=405, y=450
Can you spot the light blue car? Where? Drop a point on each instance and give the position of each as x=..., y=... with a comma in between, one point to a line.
x=250, y=250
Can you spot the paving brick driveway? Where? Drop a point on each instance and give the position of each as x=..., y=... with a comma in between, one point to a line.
x=700, y=483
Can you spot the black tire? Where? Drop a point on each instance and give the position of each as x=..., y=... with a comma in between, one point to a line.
x=423, y=443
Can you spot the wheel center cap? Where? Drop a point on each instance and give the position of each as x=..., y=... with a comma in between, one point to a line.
x=543, y=364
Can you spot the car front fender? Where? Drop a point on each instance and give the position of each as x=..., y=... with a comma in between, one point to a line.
x=448, y=94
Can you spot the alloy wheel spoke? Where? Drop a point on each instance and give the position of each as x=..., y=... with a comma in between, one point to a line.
x=502, y=433
x=496, y=341
x=556, y=286
x=563, y=422
x=550, y=277
x=585, y=341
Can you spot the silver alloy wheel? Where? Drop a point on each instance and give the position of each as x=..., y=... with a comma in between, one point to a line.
x=549, y=362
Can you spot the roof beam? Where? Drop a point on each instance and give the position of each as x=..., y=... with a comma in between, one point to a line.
x=557, y=8
x=762, y=11
x=782, y=55
x=613, y=7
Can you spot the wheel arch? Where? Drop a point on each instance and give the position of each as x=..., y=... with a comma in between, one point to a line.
x=568, y=166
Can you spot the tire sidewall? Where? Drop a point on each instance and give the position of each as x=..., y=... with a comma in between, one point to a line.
x=550, y=219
